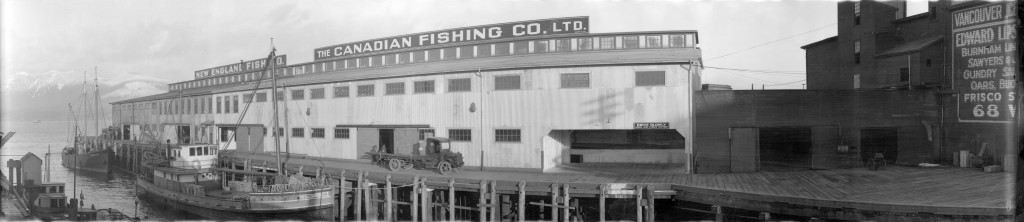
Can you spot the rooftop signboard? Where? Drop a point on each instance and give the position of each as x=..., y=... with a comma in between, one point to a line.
x=241, y=67
x=553, y=26
x=984, y=62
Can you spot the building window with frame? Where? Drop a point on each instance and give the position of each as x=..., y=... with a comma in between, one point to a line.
x=424, y=132
x=856, y=52
x=856, y=81
x=341, y=133
x=507, y=82
x=562, y=45
x=464, y=135
x=279, y=95
x=247, y=98
x=483, y=50
x=365, y=90
x=584, y=44
x=521, y=47
x=650, y=78
x=459, y=85
x=653, y=41
x=234, y=103
x=575, y=80
x=502, y=49
x=395, y=88
x=317, y=132
x=316, y=93
x=540, y=46
x=298, y=132
x=507, y=135
x=607, y=42
x=856, y=13
x=423, y=86
x=904, y=74
x=630, y=42
x=340, y=91
x=261, y=97
x=298, y=94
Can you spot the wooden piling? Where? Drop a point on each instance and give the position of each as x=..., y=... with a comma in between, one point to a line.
x=495, y=204
x=521, y=209
x=451, y=199
x=764, y=216
x=388, y=196
x=719, y=216
x=600, y=201
x=649, y=196
x=639, y=202
x=343, y=197
x=482, y=203
x=565, y=202
x=426, y=208
x=554, y=201
x=358, y=193
x=415, y=198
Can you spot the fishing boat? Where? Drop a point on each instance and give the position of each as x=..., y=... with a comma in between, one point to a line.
x=191, y=174
x=87, y=153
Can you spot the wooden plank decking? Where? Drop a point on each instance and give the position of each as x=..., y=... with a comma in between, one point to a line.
x=939, y=190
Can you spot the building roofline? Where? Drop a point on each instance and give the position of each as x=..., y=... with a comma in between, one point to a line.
x=833, y=38
x=911, y=18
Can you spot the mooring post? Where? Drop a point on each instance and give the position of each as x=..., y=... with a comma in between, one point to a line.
x=415, y=198
x=764, y=216
x=426, y=209
x=521, y=209
x=565, y=202
x=600, y=202
x=639, y=202
x=388, y=208
x=451, y=199
x=342, y=197
x=649, y=195
x=554, y=201
x=358, y=193
x=495, y=204
x=482, y=203
x=719, y=217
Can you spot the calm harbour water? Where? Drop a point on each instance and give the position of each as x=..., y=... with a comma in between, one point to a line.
x=103, y=191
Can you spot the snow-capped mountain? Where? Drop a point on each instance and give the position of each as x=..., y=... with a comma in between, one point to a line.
x=46, y=96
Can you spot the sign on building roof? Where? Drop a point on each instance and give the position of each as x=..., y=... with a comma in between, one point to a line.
x=241, y=67
x=984, y=62
x=553, y=26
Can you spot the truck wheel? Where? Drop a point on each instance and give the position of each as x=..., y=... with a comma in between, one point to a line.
x=395, y=164
x=444, y=167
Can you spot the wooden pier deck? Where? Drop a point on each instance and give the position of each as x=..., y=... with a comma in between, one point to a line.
x=895, y=189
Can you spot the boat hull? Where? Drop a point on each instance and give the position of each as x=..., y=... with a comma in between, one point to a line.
x=95, y=161
x=262, y=203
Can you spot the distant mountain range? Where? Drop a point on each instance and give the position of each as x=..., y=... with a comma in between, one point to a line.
x=45, y=96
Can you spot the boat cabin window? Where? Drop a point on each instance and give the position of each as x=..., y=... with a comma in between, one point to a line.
x=192, y=151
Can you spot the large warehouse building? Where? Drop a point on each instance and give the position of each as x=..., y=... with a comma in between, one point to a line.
x=515, y=96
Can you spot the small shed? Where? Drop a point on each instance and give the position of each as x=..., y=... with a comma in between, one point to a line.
x=31, y=169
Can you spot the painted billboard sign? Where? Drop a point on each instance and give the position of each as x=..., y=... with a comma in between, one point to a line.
x=241, y=67
x=476, y=33
x=984, y=62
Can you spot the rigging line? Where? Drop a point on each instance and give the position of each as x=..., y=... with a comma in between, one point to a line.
x=774, y=41
x=745, y=76
x=787, y=83
x=252, y=93
x=757, y=70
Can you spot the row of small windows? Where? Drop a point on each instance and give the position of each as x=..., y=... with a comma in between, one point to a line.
x=465, y=135
x=230, y=104
x=484, y=50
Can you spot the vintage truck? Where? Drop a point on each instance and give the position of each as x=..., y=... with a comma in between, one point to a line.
x=437, y=154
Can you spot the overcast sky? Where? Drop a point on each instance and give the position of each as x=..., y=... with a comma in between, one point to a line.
x=171, y=39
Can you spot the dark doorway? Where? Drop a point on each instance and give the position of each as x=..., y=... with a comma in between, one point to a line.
x=387, y=140
x=184, y=133
x=879, y=140
x=127, y=132
x=785, y=149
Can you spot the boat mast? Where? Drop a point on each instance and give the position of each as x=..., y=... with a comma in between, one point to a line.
x=96, y=80
x=277, y=141
x=75, y=145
